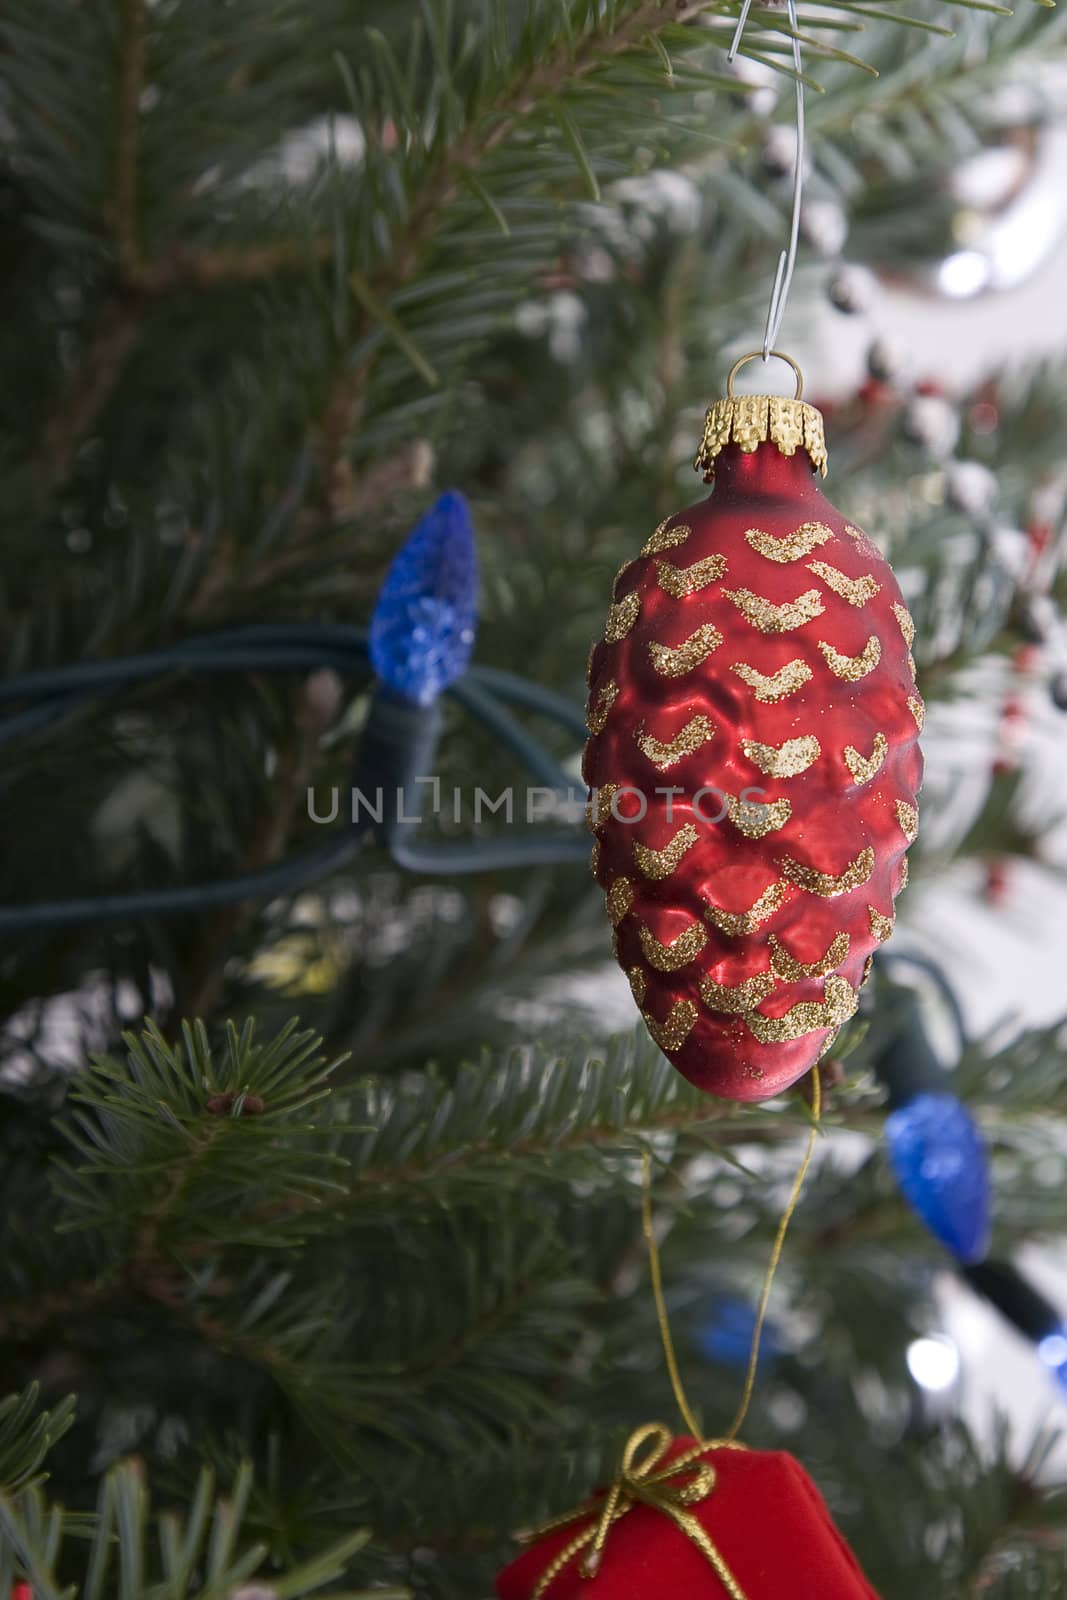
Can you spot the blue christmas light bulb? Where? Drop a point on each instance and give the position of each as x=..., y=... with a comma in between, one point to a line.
x=940, y=1161
x=1052, y=1350
x=726, y=1337
x=423, y=623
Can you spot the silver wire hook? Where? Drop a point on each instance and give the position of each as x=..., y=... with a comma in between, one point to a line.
x=783, y=278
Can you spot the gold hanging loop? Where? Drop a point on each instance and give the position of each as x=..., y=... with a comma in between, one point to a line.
x=757, y=355
x=749, y=420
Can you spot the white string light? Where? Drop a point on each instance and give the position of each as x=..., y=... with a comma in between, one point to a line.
x=783, y=278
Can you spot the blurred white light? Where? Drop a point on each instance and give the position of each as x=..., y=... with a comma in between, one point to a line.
x=991, y=177
x=963, y=274
x=1022, y=238
x=933, y=1362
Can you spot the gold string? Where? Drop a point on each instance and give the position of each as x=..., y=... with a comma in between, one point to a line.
x=684, y=1480
x=677, y=1387
x=661, y=1307
x=776, y=1256
x=648, y=1475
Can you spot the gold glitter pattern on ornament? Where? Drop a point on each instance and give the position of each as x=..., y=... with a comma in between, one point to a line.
x=674, y=661
x=786, y=760
x=755, y=818
x=594, y=857
x=903, y=874
x=854, y=533
x=621, y=618
x=773, y=687
x=868, y=968
x=864, y=768
x=620, y=899
x=663, y=754
x=736, y=997
x=672, y=1034
x=598, y=713
x=665, y=538
x=918, y=711
x=881, y=926
x=852, y=668
x=794, y=547
x=857, y=591
x=770, y=617
x=638, y=984
x=904, y=619
x=828, y=884
x=908, y=817
x=752, y=419
x=736, y=924
x=912, y=668
x=598, y=808
x=657, y=864
x=680, y=951
x=680, y=581
x=807, y=1016
x=790, y=970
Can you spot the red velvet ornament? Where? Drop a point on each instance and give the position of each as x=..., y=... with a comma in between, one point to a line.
x=753, y=760
x=765, y=1519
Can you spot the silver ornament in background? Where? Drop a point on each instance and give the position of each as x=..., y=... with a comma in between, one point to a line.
x=852, y=289
x=932, y=421
x=971, y=487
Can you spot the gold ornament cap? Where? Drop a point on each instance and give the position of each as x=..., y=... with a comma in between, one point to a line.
x=749, y=420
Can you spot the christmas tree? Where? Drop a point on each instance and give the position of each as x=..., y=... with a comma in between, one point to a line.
x=323, y=1263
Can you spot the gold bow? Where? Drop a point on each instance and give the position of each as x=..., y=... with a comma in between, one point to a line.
x=642, y=1479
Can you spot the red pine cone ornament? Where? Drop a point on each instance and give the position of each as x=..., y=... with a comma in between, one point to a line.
x=753, y=759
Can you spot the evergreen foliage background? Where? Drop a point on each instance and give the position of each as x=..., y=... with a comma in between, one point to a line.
x=346, y=1313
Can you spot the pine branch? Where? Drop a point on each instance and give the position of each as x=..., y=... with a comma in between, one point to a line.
x=129, y=1549
x=188, y=268
x=128, y=137
x=451, y=173
x=535, y=84
x=26, y=1436
x=88, y=389
x=180, y=1151
x=19, y=1322
x=167, y=1124
x=90, y=385
x=593, y=1109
